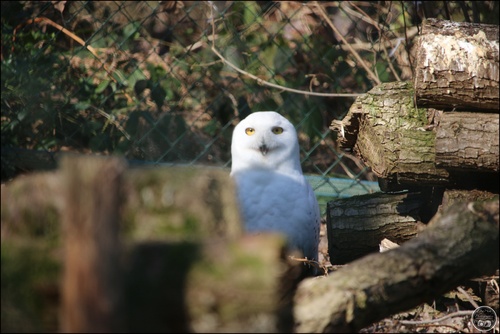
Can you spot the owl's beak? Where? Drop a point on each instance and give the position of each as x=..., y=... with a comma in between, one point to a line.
x=263, y=149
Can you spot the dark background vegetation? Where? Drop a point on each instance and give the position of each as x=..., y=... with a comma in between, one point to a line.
x=155, y=91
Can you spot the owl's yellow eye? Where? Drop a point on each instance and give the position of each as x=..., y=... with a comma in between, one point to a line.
x=249, y=131
x=277, y=130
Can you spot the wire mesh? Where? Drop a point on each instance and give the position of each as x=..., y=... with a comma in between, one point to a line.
x=166, y=81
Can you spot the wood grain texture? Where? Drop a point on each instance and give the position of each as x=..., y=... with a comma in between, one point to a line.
x=457, y=66
x=356, y=225
x=466, y=140
x=462, y=243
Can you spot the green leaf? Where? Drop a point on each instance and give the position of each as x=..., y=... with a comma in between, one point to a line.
x=251, y=13
x=102, y=86
x=82, y=105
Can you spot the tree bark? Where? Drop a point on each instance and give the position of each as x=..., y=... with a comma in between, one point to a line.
x=244, y=286
x=398, y=141
x=394, y=137
x=468, y=141
x=357, y=225
x=219, y=285
x=462, y=244
x=453, y=196
x=457, y=66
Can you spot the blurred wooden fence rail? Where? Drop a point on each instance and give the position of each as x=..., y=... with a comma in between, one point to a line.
x=105, y=248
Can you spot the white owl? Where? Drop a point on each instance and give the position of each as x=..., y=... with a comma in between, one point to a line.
x=272, y=191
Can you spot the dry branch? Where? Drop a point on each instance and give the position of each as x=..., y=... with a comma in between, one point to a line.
x=461, y=244
x=264, y=82
x=457, y=66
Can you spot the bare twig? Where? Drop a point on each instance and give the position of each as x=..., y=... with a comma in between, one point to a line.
x=264, y=82
x=494, y=284
x=112, y=120
x=469, y=298
x=389, y=63
x=44, y=20
x=59, y=27
x=375, y=24
x=387, y=43
x=310, y=262
x=422, y=322
x=407, y=40
x=354, y=52
x=455, y=328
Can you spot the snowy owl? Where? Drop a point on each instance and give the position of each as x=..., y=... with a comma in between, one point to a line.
x=272, y=192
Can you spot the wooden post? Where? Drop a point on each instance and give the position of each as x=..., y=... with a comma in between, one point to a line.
x=186, y=266
x=91, y=287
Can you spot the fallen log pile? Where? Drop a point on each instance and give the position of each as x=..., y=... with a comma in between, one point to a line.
x=433, y=143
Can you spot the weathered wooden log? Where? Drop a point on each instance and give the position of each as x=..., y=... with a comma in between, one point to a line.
x=238, y=285
x=356, y=225
x=243, y=286
x=462, y=244
x=398, y=141
x=190, y=203
x=92, y=280
x=467, y=140
x=457, y=66
x=453, y=196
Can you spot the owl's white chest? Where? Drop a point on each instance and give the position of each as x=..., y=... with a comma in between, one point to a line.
x=272, y=201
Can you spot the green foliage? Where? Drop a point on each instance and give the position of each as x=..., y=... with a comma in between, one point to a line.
x=30, y=276
x=181, y=103
x=25, y=110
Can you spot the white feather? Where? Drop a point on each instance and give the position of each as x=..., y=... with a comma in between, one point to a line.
x=272, y=191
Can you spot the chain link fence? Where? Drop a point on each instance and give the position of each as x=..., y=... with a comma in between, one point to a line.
x=166, y=81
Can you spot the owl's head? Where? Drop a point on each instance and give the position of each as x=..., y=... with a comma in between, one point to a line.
x=265, y=140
